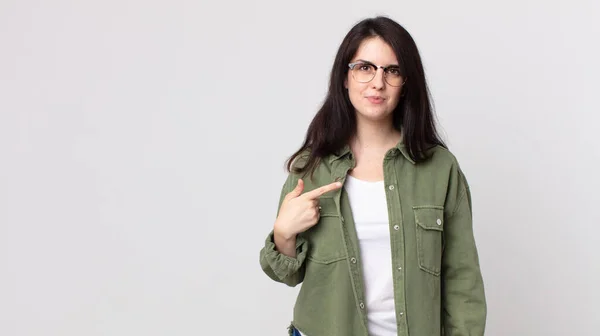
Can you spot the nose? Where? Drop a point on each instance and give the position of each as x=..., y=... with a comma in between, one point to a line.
x=378, y=81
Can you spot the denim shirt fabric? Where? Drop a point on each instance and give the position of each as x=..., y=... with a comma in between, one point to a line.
x=438, y=286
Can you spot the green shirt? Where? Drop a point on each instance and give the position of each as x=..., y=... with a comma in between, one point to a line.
x=438, y=287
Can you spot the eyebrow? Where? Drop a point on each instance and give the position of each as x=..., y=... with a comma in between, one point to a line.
x=387, y=66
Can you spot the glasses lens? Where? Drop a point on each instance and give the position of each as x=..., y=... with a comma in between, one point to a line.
x=393, y=77
x=363, y=72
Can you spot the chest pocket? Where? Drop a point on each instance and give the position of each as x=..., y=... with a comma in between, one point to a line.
x=325, y=240
x=429, y=229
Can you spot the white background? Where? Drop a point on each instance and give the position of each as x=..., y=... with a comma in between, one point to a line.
x=142, y=146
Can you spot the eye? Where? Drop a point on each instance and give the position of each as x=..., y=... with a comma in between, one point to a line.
x=394, y=72
x=364, y=67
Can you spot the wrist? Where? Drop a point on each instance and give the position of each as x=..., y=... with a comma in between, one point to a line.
x=283, y=234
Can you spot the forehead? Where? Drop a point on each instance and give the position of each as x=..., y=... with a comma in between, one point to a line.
x=376, y=50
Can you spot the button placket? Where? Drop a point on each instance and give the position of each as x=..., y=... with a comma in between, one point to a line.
x=394, y=197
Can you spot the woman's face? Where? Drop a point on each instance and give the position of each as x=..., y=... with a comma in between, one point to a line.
x=374, y=100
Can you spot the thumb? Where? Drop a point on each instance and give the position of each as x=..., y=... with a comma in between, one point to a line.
x=298, y=190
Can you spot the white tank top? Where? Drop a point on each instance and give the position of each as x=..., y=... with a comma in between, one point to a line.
x=369, y=211
x=370, y=214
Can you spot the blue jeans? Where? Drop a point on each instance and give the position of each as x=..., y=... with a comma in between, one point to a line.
x=295, y=332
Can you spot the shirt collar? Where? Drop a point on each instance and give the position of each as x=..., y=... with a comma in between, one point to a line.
x=400, y=146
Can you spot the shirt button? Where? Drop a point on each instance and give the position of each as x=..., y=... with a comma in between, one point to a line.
x=391, y=187
x=353, y=260
x=439, y=221
x=400, y=268
x=396, y=227
x=362, y=305
x=401, y=314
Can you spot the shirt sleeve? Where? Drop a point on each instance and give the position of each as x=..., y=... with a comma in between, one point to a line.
x=281, y=267
x=463, y=297
x=278, y=266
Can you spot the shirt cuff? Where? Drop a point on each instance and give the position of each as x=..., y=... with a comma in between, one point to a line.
x=281, y=264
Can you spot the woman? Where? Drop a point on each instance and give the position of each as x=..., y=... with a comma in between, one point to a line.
x=374, y=218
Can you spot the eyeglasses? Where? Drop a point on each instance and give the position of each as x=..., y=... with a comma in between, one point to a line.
x=364, y=72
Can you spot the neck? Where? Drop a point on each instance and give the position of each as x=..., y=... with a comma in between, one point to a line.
x=375, y=135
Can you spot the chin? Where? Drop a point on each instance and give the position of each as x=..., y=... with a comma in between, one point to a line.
x=377, y=113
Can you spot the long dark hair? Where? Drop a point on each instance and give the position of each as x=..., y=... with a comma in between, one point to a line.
x=335, y=123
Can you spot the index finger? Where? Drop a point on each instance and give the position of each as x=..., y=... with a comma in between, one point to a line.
x=313, y=194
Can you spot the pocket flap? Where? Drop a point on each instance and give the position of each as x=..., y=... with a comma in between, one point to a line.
x=430, y=217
